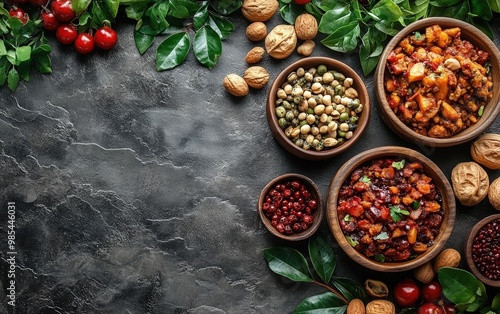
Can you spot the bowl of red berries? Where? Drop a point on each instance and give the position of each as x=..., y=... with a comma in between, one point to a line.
x=291, y=207
x=482, y=250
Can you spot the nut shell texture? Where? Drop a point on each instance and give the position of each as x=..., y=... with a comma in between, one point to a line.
x=281, y=41
x=259, y=10
x=494, y=193
x=486, y=150
x=380, y=307
x=236, y=85
x=256, y=54
x=470, y=183
x=256, y=31
x=256, y=77
x=356, y=306
x=306, y=26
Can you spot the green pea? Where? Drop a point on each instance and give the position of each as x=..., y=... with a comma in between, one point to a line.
x=340, y=133
x=322, y=69
x=289, y=116
x=282, y=123
x=343, y=116
x=338, y=76
x=354, y=119
x=339, y=90
x=287, y=105
x=280, y=111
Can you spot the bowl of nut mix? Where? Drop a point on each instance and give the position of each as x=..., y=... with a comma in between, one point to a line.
x=437, y=82
x=317, y=108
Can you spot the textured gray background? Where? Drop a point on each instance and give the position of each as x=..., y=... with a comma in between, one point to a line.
x=136, y=190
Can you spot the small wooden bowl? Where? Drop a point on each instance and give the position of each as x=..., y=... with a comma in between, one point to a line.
x=468, y=250
x=317, y=214
x=430, y=169
x=307, y=63
x=492, y=109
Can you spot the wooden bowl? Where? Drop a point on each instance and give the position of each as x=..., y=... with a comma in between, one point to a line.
x=317, y=214
x=491, y=110
x=308, y=63
x=468, y=250
x=430, y=169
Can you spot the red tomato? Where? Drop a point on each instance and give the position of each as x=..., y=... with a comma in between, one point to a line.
x=430, y=308
x=20, y=14
x=49, y=21
x=406, y=293
x=105, y=38
x=63, y=10
x=84, y=43
x=431, y=292
x=66, y=34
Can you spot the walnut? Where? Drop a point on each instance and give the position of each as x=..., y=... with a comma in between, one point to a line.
x=424, y=273
x=356, y=306
x=255, y=55
x=281, y=41
x=306, y=48
x=486, y=150
x=494, y=193
x=306, y=26
x=236, y=85
x=380, y=307
x=256, y=31
x=447, y=258
x=376, y=288
x=259, y=10
x=256, y=76
x=470, y=183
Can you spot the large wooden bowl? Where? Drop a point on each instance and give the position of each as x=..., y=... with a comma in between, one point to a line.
x=469, y=247
x=492, y=109
x=307, y=63
x=430, y=169
x=317, y=215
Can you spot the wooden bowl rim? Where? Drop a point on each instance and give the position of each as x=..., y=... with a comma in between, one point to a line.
x=468, y=250
x=318, y=214
x=333, y=64
x=430, y=168
x=492, y=110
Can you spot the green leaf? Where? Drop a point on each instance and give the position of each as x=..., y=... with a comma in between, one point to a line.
x=11, y=56
x=444, y=3
x=79, y=6
x=13, y=79
x=365, y=179
x=344, y=39
x=288, y=263
x=325, y=5
x=396, y=213
x=458, y=11
x=207, y=46
x=494, y=5
x=113, y=6
x=420, y=8
x=178, y=10
x=24, y=69
x=459, y=286
x=42, y=63
x=99, y=12
x=200, y=16
x=3, y=50
x=220, y=25
x=157, y=15
x=225, y=7
x=495, y=303
x=481, y=8
x=387, y=10
x=42, y=49
x=4, y=69
x=143, y=41
x=172, y=51
x=135, y=11
x=23, y=53
x=290, y=11
x=327, y=303
x=322, y=257
x=351, y=241
x=371, y=43
x=335, y=18
x=350, y=289
x=483, y=25
x=382, y=236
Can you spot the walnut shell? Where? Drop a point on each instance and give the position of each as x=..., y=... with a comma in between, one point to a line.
x=235, y=85
x=259, y=10
x=256, y=76
x=494, y=193
x=281, y=41
x=470, y=183
x=424, y=273
x=356, y=306
x=486, y=150
x=255, y=55
x=380, y=307
x=306, y=26
x=447, y=257
x=376, y=288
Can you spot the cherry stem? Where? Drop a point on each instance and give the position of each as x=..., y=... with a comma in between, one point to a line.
x=332, y=290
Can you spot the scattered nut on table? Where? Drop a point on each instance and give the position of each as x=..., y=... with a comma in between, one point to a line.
x=306, y=26
x=256, y=77
x=447, y=257
x=281, y=41
x=424, y=273
x=494, y=193
x=235, y=85
x=470, y=183
x=256, y=31
x=380, y=307
x=356, y=306
x=306, y=48
x=486, y=150
x=256, y=54
x=259, y=10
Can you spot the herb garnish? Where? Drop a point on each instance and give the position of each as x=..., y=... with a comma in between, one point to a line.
x=398, y=164
x=396, y=213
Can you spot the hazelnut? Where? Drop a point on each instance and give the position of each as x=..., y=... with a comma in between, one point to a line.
x=236, y=85
x=259, y=10
x=380, y=307
x=256, y=76
x=255, y=55
x=256, y=31
x=494, y=193
x=470, y=183
x=448, y=257
x=486, y=150
x=306, y=26
x=281, y=41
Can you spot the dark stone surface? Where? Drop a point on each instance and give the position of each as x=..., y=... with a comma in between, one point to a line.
x=135, y=190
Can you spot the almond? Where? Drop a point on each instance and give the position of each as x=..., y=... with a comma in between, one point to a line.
x=255, y=55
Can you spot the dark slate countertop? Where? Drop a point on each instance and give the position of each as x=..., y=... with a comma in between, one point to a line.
x=135, y=191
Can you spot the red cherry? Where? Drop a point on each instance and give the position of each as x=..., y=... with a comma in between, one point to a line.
x=301, y=2
x=449, y=309
x=430, y=308
x=105, y=38
x=63, y=10
x=84, y=43
x=19, y=13
x=406, y=293
x=39, y=2
x=66, y=34
x=431, y=292
x=49, y=21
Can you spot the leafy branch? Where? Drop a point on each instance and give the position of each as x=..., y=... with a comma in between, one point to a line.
x=291, y=264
